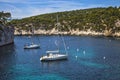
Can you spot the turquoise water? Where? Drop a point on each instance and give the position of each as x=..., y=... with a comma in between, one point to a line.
x=90, y=58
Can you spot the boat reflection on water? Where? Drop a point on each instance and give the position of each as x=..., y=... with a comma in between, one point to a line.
x=53, y=65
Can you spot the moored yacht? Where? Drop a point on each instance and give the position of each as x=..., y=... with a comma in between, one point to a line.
x=53, y=56
x=31, y=46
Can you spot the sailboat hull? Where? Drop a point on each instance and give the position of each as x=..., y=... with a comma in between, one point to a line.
x=31, y=47
x=54, y=57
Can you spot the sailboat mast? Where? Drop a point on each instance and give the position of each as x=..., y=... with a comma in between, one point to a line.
x=65, y=46
x=58, y=32
x=61, y=37
x=58, y=25
x=57, y=18
x=32, y=34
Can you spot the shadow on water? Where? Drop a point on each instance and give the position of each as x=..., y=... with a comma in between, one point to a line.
x=7, y=59
x=52, y=63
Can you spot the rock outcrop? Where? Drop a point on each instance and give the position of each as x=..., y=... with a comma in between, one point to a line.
x=6, y=35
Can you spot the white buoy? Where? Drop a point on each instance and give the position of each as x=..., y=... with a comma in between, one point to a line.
x=84, y=52
x=76, y=57
x=77, y=49
x=68, y=47
x=104, y=57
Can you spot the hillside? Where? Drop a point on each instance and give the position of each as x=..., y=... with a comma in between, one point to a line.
x=102, y=20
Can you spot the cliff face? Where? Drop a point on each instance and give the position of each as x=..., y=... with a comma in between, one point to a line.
x=105, y=21
x=6, y=35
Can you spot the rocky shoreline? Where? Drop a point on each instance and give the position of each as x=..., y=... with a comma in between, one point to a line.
x=71, y=32
x=6, y=35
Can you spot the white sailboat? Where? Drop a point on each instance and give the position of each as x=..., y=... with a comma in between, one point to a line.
x=55, y=55
x=31, y=45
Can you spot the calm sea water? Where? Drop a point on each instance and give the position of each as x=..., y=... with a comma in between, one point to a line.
x=90, y=58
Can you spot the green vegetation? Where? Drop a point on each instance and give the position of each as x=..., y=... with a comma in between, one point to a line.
x=4, y=18
x=96, y=19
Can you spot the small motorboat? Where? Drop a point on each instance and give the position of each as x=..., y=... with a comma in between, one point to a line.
x=31, y=46
x=53, y=56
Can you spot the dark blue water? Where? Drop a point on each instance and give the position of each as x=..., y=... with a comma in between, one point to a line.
x=90, y=58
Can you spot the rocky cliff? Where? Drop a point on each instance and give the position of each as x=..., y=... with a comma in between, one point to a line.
x=6, y=35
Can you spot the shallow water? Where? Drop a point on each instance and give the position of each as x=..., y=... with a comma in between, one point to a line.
x=90, y=58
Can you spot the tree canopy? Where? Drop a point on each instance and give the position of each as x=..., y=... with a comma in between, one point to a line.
x=4, y=17
x=96, y=19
